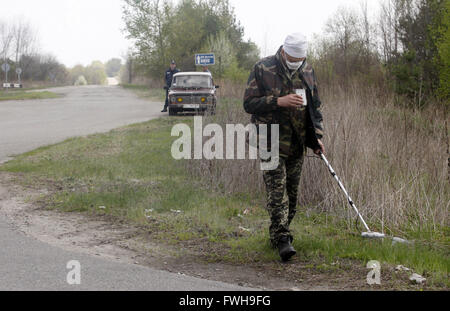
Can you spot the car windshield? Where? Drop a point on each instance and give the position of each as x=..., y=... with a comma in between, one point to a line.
x=192, y=81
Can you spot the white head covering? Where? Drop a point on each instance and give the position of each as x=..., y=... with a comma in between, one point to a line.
x=296, y=45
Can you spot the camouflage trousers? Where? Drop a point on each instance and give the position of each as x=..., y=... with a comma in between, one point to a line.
x=282, y=186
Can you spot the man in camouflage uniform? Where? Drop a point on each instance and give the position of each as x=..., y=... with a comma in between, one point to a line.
x=271, y=98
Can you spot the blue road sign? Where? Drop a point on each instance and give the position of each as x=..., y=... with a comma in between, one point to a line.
x=205, y=59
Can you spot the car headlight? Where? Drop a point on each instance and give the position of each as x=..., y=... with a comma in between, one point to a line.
x=203, y=99
x=180, y=100
x=172, y=100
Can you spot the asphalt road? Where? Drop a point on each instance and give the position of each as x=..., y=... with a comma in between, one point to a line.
x=28, y=264
x=27, y=125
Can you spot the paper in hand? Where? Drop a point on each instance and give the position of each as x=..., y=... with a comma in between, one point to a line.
x=302, y=94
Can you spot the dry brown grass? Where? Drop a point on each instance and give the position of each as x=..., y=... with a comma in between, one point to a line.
x=393, y=160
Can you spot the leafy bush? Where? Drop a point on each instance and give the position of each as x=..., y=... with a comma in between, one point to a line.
x=81, y=80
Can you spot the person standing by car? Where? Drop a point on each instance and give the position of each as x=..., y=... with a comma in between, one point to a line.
x=168, y=78
x=282, y=89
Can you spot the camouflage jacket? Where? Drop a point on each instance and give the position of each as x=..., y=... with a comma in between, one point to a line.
x=269, y=80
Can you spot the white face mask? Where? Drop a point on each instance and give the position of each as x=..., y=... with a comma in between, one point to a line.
x=294, y=66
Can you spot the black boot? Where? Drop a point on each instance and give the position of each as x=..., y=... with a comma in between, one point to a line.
x=164, y=110
x=285, y=248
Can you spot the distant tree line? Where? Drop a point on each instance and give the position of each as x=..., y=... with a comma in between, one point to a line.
x=407, y=49
x=163, y=31
x=95, y=73
x=19, y=48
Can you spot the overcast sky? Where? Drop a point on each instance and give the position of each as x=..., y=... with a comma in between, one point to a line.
x=80, y=31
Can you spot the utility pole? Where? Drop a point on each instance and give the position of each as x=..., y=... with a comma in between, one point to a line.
x=130, y=70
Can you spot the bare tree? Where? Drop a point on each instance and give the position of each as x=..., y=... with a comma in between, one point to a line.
x=389, y=29
x=345, y=34
x=24, y=40
x=366, y=25
x=6, y=38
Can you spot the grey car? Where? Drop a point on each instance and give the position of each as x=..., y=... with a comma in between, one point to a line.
x=192, y=92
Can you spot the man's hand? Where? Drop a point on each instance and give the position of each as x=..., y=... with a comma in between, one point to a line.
x=290, y=101
x=322, y=148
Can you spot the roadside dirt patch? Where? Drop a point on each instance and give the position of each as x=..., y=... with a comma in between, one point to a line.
x=121, y=242
x=74, y=231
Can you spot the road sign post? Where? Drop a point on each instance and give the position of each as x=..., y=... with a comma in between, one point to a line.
x=205, y=59
x=19, y=72
x=6, y=68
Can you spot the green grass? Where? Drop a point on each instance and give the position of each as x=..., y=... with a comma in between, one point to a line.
x=22, y=95
x=130, y=170
x=39, y=87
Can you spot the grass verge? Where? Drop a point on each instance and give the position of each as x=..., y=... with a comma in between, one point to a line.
x=22, y=95
x=130, y=172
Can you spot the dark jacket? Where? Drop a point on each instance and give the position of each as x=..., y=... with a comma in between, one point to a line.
x=169, y=76
x=269, y=80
